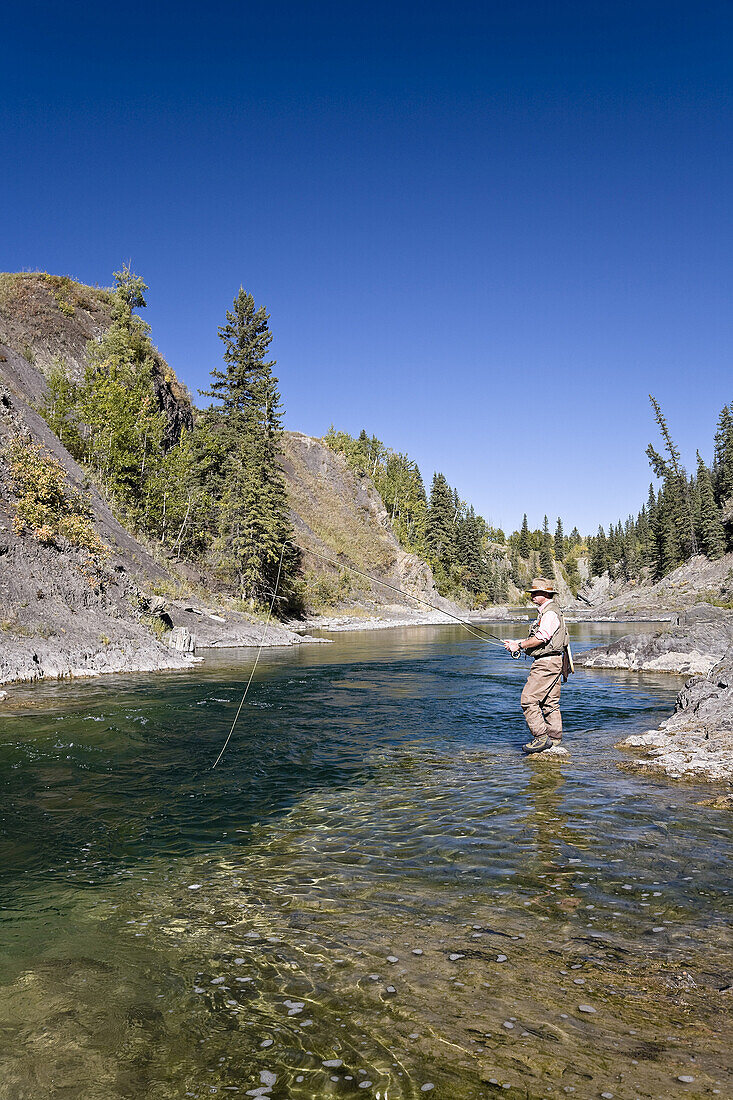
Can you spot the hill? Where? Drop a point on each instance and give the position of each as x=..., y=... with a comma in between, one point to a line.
x=68, y=609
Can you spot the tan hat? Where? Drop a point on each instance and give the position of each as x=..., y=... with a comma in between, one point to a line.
x=542, y=586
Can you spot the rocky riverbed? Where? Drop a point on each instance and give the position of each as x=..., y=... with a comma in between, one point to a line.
x=697, y=740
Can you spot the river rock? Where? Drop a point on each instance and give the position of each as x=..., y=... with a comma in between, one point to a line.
x=697, y=740
x=694, y=644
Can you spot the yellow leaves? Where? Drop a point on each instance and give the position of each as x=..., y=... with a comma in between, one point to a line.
x=46, y=507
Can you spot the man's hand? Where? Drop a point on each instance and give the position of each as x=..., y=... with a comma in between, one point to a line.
x=512, y=646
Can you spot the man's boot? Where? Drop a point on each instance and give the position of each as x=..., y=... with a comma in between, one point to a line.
x=538, y=744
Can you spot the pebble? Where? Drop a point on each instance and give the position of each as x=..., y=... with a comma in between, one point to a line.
x=578, y=981
x=508, y=1025
x=585, y=1008
x=391, y=989
x=195, y=886
x=332, y=1063
x=607, y=1095
x=417, y=950
x=685, y=1079
x=427, y=1086
x=267, y=1077
x=659, y=928
x=455, y=955
x=267, y=1043
x=294, y=1007
x=392, y=959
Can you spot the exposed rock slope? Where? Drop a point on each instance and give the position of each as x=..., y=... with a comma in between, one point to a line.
x=57, y=619
x=341, y=515
x=696, y=579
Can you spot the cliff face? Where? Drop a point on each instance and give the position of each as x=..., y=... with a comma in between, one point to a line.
x=49, y=320
x=340, y=514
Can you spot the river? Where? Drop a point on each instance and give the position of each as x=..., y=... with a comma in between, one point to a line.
x=373, y=895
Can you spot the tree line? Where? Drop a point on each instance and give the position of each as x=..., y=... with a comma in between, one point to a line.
x=686, y=515
x=213, y=492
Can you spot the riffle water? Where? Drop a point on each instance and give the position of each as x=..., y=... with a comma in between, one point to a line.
x=374, y=894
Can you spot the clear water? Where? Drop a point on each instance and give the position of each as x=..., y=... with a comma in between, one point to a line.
x=373, y=895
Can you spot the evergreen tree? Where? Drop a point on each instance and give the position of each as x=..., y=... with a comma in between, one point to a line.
x=599, y=554
x=678, y=499
x=723, y=458
x=252, y=514
x=712, y=538
x=439, y=532
x=524, y=544
x=546, y=564
x=559, y=541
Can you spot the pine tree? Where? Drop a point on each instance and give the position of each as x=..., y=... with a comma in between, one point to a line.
x=546, y=564
x=559, y=541
x=253, y=521
x=524, y=544
x=712, y=537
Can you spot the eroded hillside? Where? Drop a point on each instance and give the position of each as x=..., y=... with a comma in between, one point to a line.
x=67, y=611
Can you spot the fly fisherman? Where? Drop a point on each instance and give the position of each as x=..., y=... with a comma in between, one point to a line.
x=548, y=645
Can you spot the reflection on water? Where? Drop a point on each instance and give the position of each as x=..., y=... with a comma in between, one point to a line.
x=374, y=894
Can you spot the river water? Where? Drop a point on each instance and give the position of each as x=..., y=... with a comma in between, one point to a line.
x=374, y=895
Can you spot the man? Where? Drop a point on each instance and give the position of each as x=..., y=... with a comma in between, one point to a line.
x=547, y=640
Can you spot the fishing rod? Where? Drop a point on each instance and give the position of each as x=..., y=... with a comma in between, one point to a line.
x=477, y=632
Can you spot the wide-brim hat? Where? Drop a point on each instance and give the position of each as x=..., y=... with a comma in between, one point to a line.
x=543, y=587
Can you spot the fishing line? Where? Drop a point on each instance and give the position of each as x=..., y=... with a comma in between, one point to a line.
x=254, y=666
x=477, y=632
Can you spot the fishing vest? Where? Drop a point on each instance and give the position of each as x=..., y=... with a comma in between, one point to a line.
x=558, y=641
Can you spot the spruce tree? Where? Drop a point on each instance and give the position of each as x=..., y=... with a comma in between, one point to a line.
x=439, y=532
x=723, y=460
x=546, y=551
x=524, y=544
x=559, y=541
x=712, y=537
x=679, y=502
x=253, y=521
x=599, y=554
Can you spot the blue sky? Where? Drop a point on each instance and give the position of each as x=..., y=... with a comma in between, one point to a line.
x=485, y=232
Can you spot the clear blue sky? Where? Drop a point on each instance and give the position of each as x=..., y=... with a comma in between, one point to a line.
x=461, y=217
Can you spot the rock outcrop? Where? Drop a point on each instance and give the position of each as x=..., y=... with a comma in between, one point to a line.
x=684, y=587
x=693, y=644
x=697, y=741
